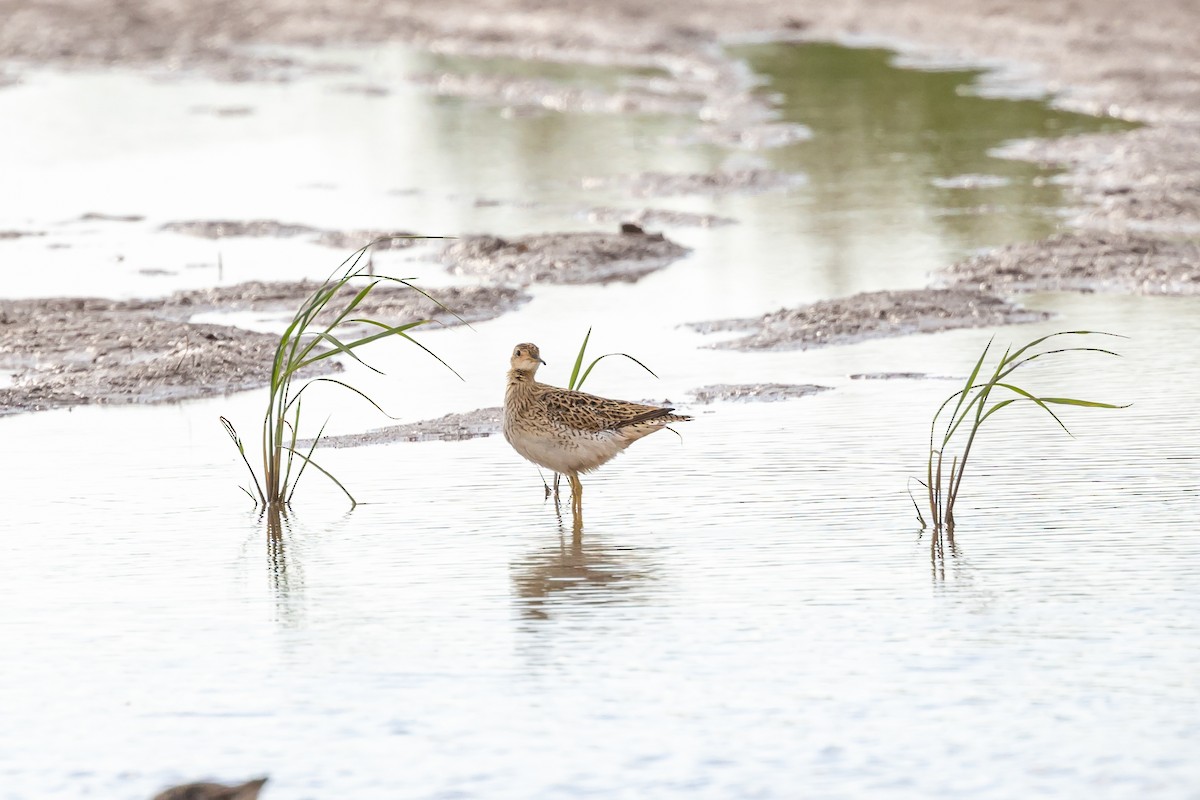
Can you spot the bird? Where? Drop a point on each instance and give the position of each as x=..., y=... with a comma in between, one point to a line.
x=567, y=431
x=213, y=791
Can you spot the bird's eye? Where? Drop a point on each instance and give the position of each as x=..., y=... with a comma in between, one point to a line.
x=518, y=352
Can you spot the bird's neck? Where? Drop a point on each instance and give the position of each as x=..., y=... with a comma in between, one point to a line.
x=520, y=380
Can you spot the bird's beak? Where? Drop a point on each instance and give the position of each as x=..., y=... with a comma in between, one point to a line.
x=543, y=362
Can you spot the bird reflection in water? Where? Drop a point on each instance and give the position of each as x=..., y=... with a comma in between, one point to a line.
x=576, y=570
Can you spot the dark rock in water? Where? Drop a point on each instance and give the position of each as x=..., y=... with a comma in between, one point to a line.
x=563, y=257
x=213, y=791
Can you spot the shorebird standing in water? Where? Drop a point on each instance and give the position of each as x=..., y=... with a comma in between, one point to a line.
x=567, y=431
x=213, y=791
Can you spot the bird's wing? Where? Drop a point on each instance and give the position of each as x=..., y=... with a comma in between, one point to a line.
x=591, y=413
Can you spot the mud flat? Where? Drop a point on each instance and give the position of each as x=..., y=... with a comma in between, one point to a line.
x=349, y=241
x=1085, y=262
x=447, y=306
x=64, y=352
x=900, y=376
x=526, y=95
x=1121, y=186
x=563, y=257
x=870, y=315
x=657, y=216
x=755, y=392
x=449, y=428
x=75, y=352
x=666, y=184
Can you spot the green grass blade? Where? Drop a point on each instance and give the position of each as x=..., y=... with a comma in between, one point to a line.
x=329, y=475
x=287, y=472
x=344, y=385
x=237, y=441
x=1057, y=351
x=339, y=347
x=1049, y=401
x=970, y=384
x=980, y=400
x=1038, y=401
x=920, y=516
x=1070, y=401
x=572, y=384
x=1039, y=340
x=387, y=331
x=428, y=296
x=938, y=413
x=435, y=355
x=308, y=460
x=588, y=371
x=976, y=402
x=999, y=405
x=353, y=304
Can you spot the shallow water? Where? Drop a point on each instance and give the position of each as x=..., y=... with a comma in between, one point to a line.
x=751, y=611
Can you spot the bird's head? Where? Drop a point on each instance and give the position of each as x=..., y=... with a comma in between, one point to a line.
x=527, y=358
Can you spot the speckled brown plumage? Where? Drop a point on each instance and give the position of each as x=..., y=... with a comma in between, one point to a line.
x=213, y=791
x=570, y=432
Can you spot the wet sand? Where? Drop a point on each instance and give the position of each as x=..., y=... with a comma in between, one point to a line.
x=62, y=352
x=656, y=216
x=449, y=428
x=870, y=315
x=755, y=392
x=447, y=307
x=1096, y=262
x=663, y=184
x=347, y=241
x=563, y=257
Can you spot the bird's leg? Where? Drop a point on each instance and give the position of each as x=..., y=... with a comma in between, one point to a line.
x=576, y=494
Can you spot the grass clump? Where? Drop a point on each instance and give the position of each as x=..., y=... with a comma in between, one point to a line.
x=974, y=404
x=325, y=326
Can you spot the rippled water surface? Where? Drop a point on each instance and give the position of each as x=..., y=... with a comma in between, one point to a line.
x=749, y=611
